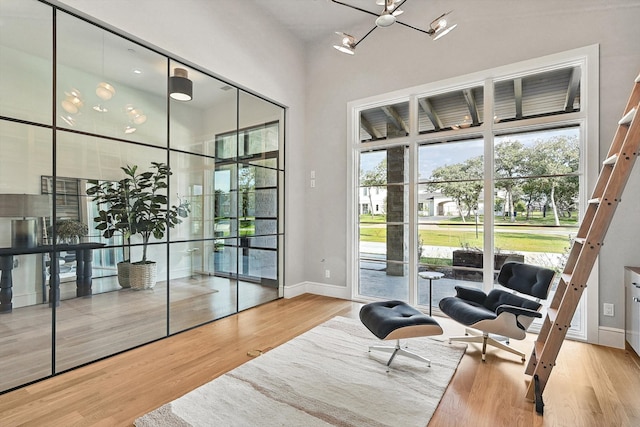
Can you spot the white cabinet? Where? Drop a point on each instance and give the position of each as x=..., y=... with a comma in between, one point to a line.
x=632, y=302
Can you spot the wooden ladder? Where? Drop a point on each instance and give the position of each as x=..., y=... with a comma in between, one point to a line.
x=585, y=248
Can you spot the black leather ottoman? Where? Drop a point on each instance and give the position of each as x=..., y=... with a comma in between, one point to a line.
x=396, y=320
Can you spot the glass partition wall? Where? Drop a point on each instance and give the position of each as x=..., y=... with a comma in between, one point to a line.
x=140, y=196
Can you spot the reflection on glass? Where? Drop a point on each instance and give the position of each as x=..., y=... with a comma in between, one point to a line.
x=25, y=338
x=114, y=119
x=197, y=123
x=258, y=198
x=26, y=64
x=119, y=319
x=113, y=87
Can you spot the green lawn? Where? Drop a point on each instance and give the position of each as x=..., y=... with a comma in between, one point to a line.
x=535, y=219
x=528, y=238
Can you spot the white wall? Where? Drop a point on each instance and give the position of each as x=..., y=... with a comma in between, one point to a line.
x=490, y=33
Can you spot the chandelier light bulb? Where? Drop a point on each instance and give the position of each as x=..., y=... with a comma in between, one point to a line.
x=139, y=119
x=105, y=91
x=69, y=106
x=72, y=102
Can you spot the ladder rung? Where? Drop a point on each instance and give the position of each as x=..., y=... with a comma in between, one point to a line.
x=580, y=240
x=627, y=118
x=552, y=313
x=566, y=278
x=638, y=79
x=594, y=201
x=611, y=160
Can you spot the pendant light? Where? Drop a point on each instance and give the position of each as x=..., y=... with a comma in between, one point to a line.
x=180, y=87
x=437, y=28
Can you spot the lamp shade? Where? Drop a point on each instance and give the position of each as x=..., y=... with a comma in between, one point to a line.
x=180, y=87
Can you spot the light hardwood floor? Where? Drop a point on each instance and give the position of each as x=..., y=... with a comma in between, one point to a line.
x=590, y=386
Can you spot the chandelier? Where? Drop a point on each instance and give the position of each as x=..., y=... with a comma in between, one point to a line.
x=437, y=28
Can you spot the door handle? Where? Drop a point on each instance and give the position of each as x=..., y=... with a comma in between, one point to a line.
x=636, y=299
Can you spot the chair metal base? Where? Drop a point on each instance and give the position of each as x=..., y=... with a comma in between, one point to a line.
x=472, y=335
x=398, y=350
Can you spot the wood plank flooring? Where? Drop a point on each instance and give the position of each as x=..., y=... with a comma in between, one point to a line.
x=591, y=385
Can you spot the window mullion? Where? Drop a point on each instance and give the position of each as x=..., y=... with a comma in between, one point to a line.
x=489, y=219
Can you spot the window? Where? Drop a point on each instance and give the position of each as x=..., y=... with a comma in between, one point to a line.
x=462, y=195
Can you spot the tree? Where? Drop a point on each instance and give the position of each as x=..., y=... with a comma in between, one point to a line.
x=510, y=161
x=461, y=182
x=553, y=159
x=374, y=178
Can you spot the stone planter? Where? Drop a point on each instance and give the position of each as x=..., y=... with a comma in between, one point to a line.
x=472, y=261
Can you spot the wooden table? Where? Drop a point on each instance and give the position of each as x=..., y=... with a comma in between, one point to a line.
x=84, y=261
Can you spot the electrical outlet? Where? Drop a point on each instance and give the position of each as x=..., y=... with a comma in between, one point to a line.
x=327, y=274
x=608, y=309
x=313, y=183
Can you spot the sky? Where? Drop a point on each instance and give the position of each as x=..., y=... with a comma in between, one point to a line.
x=432, y=156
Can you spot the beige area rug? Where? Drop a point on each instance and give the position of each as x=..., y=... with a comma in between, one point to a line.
x=324, y=377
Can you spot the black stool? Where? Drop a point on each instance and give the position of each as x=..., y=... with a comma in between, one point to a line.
x=396, y=320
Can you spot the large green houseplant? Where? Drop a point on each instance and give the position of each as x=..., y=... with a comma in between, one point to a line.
x=114, y=217
x=137, y=205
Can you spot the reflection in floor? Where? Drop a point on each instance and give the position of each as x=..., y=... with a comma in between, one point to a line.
x=90, y=328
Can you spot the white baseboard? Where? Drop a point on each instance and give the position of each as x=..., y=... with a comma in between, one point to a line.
x=26, y=300
x=611, y=337
x=315, y=288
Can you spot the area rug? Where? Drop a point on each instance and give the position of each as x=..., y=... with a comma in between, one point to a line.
x=324, y=377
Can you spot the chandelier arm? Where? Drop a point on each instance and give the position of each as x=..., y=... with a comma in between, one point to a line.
x=355, y=7
x=430, y=31
x=365, y=36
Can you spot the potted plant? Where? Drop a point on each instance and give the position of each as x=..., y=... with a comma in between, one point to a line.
x=70, y=231
x=114, y=204
x=136, y=205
